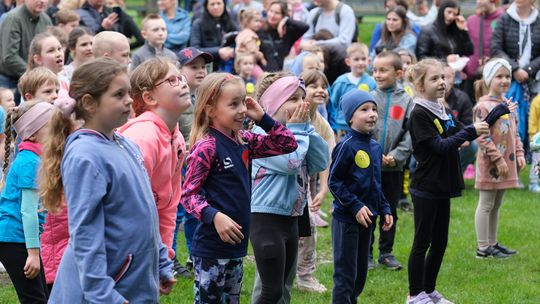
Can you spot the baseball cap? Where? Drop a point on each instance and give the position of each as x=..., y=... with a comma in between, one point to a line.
x=187, y=55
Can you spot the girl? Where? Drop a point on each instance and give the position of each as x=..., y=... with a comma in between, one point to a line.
x=247, y=41
x=499, y=160
x=217, y=188
x=7, y=99
x=244, y=64
x=46, y=51
x=280, y=184
x=80, y=49
x=396, y=32
x=436, y=137
x=20, y=221
x=115, y=253
x=160, y=96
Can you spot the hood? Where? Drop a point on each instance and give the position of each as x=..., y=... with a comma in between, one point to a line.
x=81, y=133
x=512, y=12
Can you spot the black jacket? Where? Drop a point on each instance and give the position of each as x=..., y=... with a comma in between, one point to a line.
x=505, y=43
x=461, y=106
x=432, y=42
x=275, y=49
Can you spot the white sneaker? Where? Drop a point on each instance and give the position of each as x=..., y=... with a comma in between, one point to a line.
x=421, y=298
x=2, y=269
x=438, y=298
x=310, y=284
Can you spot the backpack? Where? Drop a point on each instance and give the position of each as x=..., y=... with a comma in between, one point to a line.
x=337, y=13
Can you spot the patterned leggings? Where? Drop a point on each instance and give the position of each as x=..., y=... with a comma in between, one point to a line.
x=217, y=280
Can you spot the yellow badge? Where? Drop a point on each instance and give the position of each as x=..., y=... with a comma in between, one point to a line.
x=409, y=91
x=250, y=88
x=363, y=87
x=505, y=116
x=362, y=159
x=438, y=125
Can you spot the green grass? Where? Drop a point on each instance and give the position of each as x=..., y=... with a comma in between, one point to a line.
x=463, y=278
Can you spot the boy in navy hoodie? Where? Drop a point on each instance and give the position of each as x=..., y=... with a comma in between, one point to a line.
x=355, y=183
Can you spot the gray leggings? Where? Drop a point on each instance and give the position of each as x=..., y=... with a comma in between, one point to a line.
x=486, y=218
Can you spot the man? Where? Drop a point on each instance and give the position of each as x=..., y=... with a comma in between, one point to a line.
x=97, y=18
x=18, y=29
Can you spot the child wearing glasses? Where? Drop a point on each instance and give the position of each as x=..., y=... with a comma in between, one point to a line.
x=160, y=95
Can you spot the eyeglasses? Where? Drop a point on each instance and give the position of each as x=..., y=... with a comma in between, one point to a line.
x=174, y=81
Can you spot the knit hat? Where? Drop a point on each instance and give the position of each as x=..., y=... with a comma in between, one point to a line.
x=491, y=68
x=352, y=101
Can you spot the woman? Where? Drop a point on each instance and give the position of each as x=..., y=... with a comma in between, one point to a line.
x=178, y=24
x=279, y=34
x=80, y=48
x=396, y=32
x=447, y=38
x=208, y=33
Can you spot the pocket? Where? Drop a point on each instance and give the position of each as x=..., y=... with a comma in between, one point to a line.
x=124, y=268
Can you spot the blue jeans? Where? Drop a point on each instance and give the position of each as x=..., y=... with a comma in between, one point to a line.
x=7, y=82
x=190, y=224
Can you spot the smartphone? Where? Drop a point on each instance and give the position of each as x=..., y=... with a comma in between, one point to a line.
x=117, y=10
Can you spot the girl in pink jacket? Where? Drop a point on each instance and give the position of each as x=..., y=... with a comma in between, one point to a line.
x=160, y=95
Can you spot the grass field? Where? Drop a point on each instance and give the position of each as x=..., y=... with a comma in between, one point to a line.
x=463, y=278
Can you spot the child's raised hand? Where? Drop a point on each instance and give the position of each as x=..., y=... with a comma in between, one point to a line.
x=165, y=287
x=254, y=110
x=481, y=128
x=363, y=216
x=32, y=266
x=228, y=230
x=510, y=103
x=502, y=169
x=300, y=114
x=388, y=222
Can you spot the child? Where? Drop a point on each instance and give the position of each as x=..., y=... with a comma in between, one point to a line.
x=247, y=40
x=46, y=51
x=39, y=83
x=394, y=106
x=499, y=160
x=307, y=61
x=67, y=20
x=355, y=183
x=534, y=129
x=357, y=59
x=112, y=44
x=436, y=138
x=115, y=253
x=243, y=65
x=7, y=99
x=160, y=94
x=280, y=184
x=154, y=31
x=217, y=187
x=80, y=48
x=20, y=221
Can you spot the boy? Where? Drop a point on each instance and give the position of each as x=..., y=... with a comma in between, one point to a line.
x=193, y=66
x=39, y=83
x=355, y=183
x=357, y=59
x=113, y=45
x=154, y=31
x=67, y=20
x=394, y=106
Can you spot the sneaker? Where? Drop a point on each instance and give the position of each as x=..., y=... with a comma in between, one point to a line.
x=189, y=264
x=371, y=263
x=421, y=298
x=438, y=298
x=2, y=268
x=535, y=188
x=405, y=205
x=181, y=271
x=469, y=172
x=505, y=250
x=319, y=222
x=520, y=185
x=490, y=252
x=390, y=262
x=310, y=284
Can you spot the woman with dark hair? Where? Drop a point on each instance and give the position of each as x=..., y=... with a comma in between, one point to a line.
x=396, y=32
x=447, y=37
x=279, y=34
x=210, y=30
x=78, y=51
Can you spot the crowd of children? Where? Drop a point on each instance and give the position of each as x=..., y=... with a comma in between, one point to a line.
x=135, y=149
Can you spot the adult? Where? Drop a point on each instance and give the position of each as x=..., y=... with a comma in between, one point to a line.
x=279, y=34
x=178, y=24
x=96, y=16
x=18, y=29
x=6, y=6
x=335, y=16
x=209, y=31
x=447, y=38
x=396, y=32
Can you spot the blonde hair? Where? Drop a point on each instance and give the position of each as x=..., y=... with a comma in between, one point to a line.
x=36, y=47
x=70, y=4
x=357, y=47
x=34, y=79
x=239, y=57
x=144, y=78
x=90, y=79
x=416, y=73
x=12, y=116
x=267, y=79
x=149, y=17
x=209, y=92
x=59, y=34
x=313, y=76
x=65, y=16
x=246, y=15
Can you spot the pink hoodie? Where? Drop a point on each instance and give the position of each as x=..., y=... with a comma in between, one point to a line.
x=163, y=154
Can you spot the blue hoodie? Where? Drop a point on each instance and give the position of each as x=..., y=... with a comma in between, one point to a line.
x=115, y=253
x=355, y=177
x=178, y=30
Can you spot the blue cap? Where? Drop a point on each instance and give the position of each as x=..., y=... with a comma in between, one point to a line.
x=187, y=55
x=352, y=101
